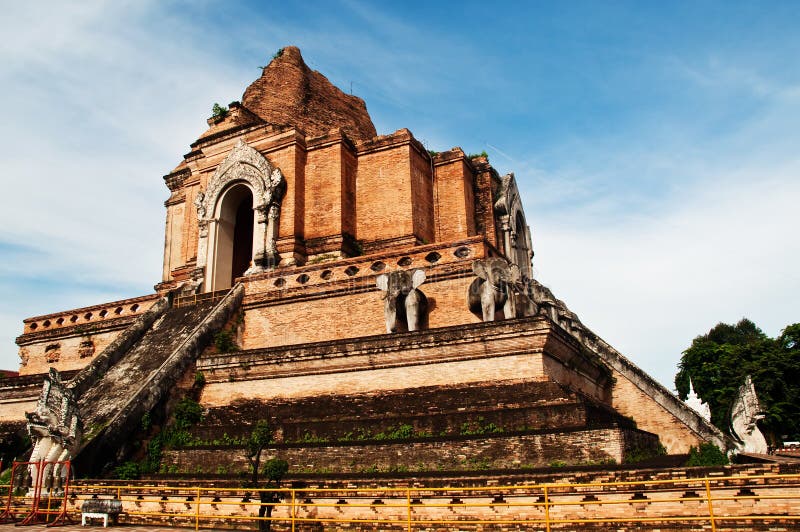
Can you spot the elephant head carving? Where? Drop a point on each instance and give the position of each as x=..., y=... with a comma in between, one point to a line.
x=494, y=287
x=402, y=299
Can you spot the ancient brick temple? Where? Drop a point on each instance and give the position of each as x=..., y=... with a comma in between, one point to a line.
x=373, y=299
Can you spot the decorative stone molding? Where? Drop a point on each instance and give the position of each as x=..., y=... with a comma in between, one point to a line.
x=247, y=165
x=175, y=180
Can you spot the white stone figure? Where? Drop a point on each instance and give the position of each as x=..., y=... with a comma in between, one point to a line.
x=746, y=411
x=694, y=402
x=403, y=299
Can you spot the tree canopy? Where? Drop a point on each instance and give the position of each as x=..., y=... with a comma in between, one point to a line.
x=718, y=362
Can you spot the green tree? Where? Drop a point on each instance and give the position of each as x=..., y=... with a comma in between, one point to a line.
x=274, y=470
x=718, y=362
x=259, y=438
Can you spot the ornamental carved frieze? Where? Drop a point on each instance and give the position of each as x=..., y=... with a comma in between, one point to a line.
x=246, y=164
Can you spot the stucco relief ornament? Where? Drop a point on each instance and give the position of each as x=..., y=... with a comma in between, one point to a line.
x=201, y=208
x=272, y=198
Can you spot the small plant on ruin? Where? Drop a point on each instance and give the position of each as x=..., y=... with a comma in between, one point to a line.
x=558, y=463
x=224, y=342
x=481, y=154
x=707, y=455
x=400, y=432
x=219, y=111
x=199, y=379
x=127, y=471
x=278, y=53
x=478, y=427
x=147, y=422
x=187, y=413
x=310, y=438
x=639, y=454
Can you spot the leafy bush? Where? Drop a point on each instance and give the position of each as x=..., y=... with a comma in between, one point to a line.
x=224, y=342
x=199, y=379
x=707, y=455
x=640, y=454
x=187, y=413
x=127, y=471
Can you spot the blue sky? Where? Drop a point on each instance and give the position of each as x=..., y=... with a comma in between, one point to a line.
x=656, y=144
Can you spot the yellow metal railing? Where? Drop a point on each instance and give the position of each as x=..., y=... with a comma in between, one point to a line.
x=705, y=501
x=193, y=299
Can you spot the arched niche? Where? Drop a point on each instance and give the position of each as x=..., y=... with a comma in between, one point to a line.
x=515, y=234
x=244, y=174
x=521, y=244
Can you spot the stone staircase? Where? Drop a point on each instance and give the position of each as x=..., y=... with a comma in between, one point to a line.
x=137, y=375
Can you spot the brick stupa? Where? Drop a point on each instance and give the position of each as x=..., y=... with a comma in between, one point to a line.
x=373, y=299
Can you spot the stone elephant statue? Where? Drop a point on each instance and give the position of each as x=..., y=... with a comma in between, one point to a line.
x=403, y=299
x=494, y=288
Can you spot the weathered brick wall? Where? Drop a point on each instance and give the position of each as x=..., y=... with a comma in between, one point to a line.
x=384, y=208
x=454, y=196
x=422, y=193
x=14, y=409
x=431, y=411
x=348, y=315
x=367, y=380
x=457, y=453
x=70, y=340
x=630, y=400
x=323, y=191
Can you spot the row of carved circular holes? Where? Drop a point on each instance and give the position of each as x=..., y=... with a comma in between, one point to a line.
x=432, y=257
x=87, y=316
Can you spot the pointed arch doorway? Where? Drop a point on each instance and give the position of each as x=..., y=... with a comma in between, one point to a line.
x=233, y=236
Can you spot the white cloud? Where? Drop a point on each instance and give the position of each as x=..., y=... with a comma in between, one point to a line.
x=718, y=251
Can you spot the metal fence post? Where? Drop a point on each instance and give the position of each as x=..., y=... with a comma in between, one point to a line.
x=293, y=513
x=710, y=506
x=197, y=511
x=546, y=509
x=408, y=507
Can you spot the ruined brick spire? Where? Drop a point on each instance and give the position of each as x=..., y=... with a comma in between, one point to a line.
x=290, y=93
